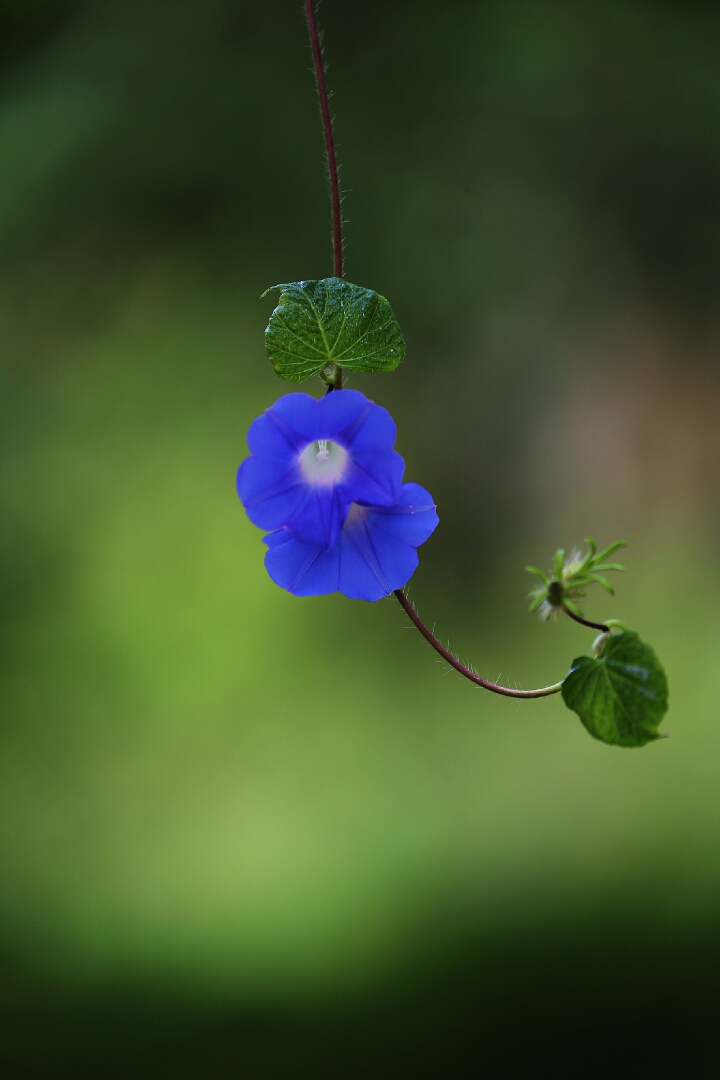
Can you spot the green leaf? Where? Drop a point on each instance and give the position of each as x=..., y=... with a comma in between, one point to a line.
x=317, y=323
x=622, y=695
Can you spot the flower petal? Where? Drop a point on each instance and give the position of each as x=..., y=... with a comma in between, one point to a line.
x=342, y=411
x=319, y=518
x=280, y=536
x=372, y=563
x=374, y=478
x=266, y=440
x=297, y=416
x=411, y=521
x=376, y=553
x=361, y=575
x=270, y=492
x=274, y=495
x=302, y=569
x=259, y=478
x=274, y=512
x=372, y=430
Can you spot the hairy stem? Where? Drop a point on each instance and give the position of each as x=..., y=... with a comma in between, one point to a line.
x=409, y=610
x=337, y=382
x=329, y=138
x=586, y=622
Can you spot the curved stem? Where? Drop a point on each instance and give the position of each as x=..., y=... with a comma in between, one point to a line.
x=329, y=138
x=448, y=656
x=586, y=622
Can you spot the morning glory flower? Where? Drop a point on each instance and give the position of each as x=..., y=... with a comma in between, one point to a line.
x=376, y=552
x=312, y=458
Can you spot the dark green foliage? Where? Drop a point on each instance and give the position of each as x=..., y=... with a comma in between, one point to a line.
x=620, y=695
x=318, y=323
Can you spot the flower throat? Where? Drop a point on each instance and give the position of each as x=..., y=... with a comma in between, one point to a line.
x=323, y=462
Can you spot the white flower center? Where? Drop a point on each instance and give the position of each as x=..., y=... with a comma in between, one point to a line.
x=323, y=462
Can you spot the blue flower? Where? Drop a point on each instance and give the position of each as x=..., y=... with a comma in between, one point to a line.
x=312, y=458
x=376, y=553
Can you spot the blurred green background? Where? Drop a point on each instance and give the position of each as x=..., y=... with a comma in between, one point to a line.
x=247, y=835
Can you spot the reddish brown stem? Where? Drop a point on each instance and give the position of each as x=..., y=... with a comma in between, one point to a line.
x=586, y=622
x=409, y=610
x=329, y=138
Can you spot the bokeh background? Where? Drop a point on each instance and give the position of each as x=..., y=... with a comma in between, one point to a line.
x=247, y=835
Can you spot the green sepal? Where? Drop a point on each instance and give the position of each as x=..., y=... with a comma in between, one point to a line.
x=317, y=323
x=538, y=573
x=620, y=695
x=602, y=581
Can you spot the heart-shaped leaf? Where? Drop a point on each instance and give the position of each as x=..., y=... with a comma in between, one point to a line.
x=622, y=695
x=317, y=323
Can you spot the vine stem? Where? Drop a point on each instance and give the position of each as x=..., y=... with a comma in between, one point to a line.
x=337, y=385
x=586, y=622
x=506, y=691
x=329, y=137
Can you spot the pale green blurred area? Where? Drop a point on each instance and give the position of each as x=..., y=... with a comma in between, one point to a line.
x=204, y=780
